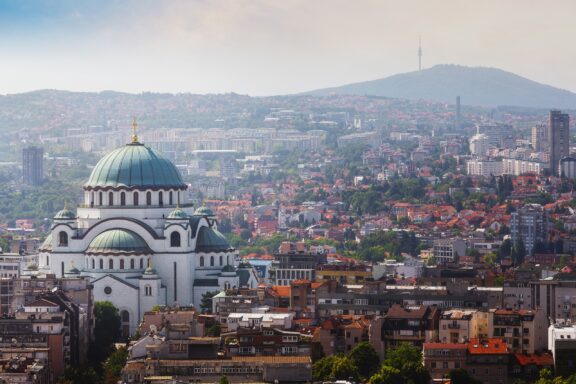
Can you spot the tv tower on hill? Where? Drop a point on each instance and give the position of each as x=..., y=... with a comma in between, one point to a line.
x=420, y=52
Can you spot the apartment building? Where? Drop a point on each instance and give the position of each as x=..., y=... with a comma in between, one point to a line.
x=525, y=331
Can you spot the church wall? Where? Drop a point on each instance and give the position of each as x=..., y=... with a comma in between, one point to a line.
x=122, y=295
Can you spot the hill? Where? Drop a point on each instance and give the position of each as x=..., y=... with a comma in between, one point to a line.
x=488, y=87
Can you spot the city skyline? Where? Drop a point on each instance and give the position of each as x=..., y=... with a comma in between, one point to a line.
x=265, y=48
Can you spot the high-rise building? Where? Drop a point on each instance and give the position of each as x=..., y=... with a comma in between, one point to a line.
x=558, y=139
x=539, y=138
x=529, y=223
x=33, y=165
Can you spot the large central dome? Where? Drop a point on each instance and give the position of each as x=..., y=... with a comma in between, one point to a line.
x=135, y=166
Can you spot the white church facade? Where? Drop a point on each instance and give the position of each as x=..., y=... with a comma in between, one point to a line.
x=139, y=241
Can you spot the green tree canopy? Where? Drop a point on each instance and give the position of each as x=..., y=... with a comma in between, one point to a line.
x=366, y=359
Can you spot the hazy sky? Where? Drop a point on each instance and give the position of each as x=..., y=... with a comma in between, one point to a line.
x=265, y=47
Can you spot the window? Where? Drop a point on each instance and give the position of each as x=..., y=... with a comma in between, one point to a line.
x=211, y=261
x=174, y=239
x=135, y=197
x=110, y=198
x=122, y=199
x=91, y=199
x=121, y=263
x=160, y=198
x=170, y=200
x=47, y=260
x=147, y=290
x=131, y=263
x=141, y=263
x=63, y=239
x=107, y=290
x=221, y=260
x=100, y=198
x=110, y=264
x=201, y=261
x=93, y=264
x=101, y=264
x=148, y=198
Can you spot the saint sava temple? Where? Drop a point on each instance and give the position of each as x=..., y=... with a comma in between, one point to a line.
x=139, y=240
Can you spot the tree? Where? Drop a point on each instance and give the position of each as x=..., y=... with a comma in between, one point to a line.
x=322, y=368
x=344, y=369
x=114, y=364
x=404, y=353
x=206, y=301
x=224, y=380
x=366, y=359
x=213, y=331
x=106, y=331
x=518, y=251
x=387, y=375
x=81, y=374
x=461, y=376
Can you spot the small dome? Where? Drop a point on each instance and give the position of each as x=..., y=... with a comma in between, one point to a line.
x=118, y=241
x=150, y=271
x=203, y=211
x=210, y=240
x=228, y=268
x=47, y=244
x=137, y=166
x=73, y=271
x=178, y=214
x=66, y=213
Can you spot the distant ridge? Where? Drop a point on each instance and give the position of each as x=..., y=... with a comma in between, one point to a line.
x=488, y=87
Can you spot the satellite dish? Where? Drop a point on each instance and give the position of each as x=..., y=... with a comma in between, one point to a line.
x=55, y=289
x=153, y=328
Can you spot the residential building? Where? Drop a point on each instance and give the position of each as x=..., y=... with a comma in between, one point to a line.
x=539, y=139
x=441, y=358
x=485, y=168
x=287, y=267
x=517, y=167
x=523, y=330
x=529, y=223
x=562, y=344
x=568, y=167
x=559, y=139
x=448, y=250
x=461, y=325
x=259, y=320
x=487, y=360
x=265, y=342
x=414, y=325
x=33, y=165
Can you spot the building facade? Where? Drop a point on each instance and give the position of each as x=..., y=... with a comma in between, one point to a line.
x=559, y=139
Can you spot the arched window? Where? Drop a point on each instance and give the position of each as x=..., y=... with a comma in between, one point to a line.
x=63, y=239
x=174, y=239
x=220, y=260
x=47, y=260
x=136, y=198
x=211, y=261
x=147, y=290
x=131, y=263
x=110, y=198
x=201, y=261
x=110, y=264
x=121, y=263
x=160, y=198
x=100, y=198
x=101, y=264
x=91, y=199
x=148, y=198
x=122, y=199
x=125, y=316
x=141, y=263
x=93, y=264
x=170, y=198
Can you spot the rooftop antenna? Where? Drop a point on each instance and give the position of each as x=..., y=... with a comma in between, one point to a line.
x=420, y=52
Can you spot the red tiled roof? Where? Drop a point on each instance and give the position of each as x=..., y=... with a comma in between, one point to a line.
x=487, y=347
x=444, y=346
x=544, y=359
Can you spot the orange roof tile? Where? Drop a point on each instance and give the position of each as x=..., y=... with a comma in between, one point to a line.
x=487, y=347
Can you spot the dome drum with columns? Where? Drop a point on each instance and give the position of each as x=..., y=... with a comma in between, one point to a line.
x=135, y=216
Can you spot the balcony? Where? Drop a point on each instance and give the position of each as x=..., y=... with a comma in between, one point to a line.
x=453, y=326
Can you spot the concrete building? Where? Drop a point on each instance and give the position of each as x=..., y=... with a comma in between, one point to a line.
x=523, y=330
x=519, y=167
x=484, y=168
x=529, y=223
x=410, y=325
x=559, y=139
x=562, y=343
x=479, y=144
x=448, y=250
x=487, y=360
x=539, y=139
x=462, y=325
x=441, y=358
x=568, y=167
x=33, y=165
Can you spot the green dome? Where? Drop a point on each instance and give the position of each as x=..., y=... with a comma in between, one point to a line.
x=65, y=214
x=178, y=214
x=203, y=211
x=210, y=240
x=135, y=165
x=118, y=241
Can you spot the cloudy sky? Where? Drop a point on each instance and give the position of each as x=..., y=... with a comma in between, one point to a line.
x=266, y=47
